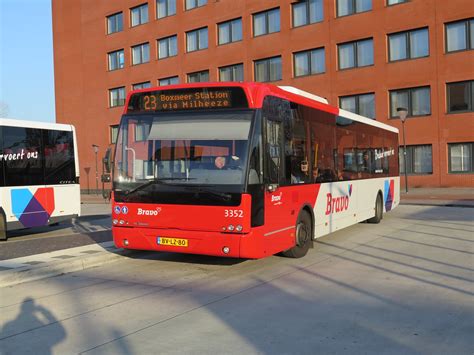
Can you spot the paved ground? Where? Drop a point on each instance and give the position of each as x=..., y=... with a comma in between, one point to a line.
x=402, y=287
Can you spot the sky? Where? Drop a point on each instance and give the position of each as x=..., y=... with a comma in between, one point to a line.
x=26, y=60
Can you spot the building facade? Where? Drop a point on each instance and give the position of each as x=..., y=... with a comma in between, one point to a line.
x=367, y=56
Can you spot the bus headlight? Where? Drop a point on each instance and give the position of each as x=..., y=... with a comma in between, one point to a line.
x=226, y=250
x=238, y=228
x=230, y=228
x=121, y=222
x=115, y=221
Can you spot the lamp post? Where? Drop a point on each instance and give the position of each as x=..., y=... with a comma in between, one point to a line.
x=402, y=113
x=96, y=150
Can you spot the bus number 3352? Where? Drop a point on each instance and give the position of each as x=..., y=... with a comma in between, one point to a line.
x=234, y=213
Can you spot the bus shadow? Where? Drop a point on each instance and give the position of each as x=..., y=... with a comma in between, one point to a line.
x=184, y=258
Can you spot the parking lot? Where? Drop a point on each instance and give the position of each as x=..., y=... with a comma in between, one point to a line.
x=403, y=286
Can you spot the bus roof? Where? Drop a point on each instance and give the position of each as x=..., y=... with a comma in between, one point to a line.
x=256, y=92
x=35, y=124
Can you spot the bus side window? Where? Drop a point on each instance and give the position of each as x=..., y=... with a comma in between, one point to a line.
x=256, y=158
x=273, y=152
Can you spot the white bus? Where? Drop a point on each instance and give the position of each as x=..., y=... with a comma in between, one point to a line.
x=39, y=174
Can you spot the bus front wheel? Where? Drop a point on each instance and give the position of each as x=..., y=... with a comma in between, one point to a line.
x=378, y=210
x=303, y=237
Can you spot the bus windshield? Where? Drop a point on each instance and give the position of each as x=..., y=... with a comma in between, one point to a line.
x=182, y=149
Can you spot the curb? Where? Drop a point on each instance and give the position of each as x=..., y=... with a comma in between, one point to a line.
x=40, y=266
x=437, y=204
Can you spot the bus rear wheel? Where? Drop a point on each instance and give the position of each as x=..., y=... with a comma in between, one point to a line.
x=378, y=211
x=3, y=227
x=303, y=237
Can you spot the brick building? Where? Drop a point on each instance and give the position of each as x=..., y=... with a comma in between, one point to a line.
x=367, y=56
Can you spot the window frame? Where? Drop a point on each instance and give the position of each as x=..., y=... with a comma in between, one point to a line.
x=232, y=66
x=200, y=72
x=411, y=152
x=308, y=52
x=196, y=2
x=471, y=148
x=168, y=14
x=229, y=23
x=198, y=42
x=407, y=44
x=267, y=23
x=141, y=84
x=169, y=78
x=355, y=47
x=357, y=103
x=410, y=105
x=140, y=21
x=467, y=25
x=354, y=6
x=397, y=3
x=470, y=108
x=115, y=20
x=141, y=53
x=308, y=13
x=115, y=53
x=267, y=70
x=118, y=90
x=167, y=39
x=112, y=128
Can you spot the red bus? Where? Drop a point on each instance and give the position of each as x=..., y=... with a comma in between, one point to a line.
x=245, y=170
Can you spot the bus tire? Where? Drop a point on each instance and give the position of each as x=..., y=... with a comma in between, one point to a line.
x=303, y=237
x=3, y=226
x=378, y=211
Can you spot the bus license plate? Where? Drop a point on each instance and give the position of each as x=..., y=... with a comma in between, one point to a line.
x=174, y=242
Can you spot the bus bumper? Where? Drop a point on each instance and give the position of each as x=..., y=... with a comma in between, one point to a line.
x=198, y=242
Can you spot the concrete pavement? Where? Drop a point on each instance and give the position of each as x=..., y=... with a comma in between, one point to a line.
x=404, y=286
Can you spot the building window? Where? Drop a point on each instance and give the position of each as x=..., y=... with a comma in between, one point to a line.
x=309, y=62
x=198, y=77
x=395, y=2
x=416, y=100
x=419, y=159
x=114, y=134
x=191, y=4
x=307, y=12
x=139, y=86
x=230, y=31
x=141, y=54
x=266, y=22
x=196, y=40
x=172, y=80
x=115, y=23
x=363, y=104
x=268, y=69
x=165, y=8
x=141, y=132
x=139, y=15
x=460, y=96
x=460, y=35
x=167, y=47
x=350, y=7
x=117, y=97
x=461, y=159
x=232, y=73
x=116, y=60
x=356, y=54
x=408, y=45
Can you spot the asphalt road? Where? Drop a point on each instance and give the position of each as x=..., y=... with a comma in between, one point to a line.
x=404, y=286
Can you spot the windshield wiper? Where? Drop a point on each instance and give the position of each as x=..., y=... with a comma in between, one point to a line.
x=222, y=195
x=160, y=181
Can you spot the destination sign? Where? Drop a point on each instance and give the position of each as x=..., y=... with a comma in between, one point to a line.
x=188, y=99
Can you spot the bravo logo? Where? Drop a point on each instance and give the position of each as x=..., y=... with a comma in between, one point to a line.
x=142, y=212
x=339, y=203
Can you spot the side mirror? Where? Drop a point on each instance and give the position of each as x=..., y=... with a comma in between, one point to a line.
x=272, y=187
x=107, y=162
x=105, y=178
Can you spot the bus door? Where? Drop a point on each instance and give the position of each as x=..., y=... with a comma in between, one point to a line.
x=279, y=221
